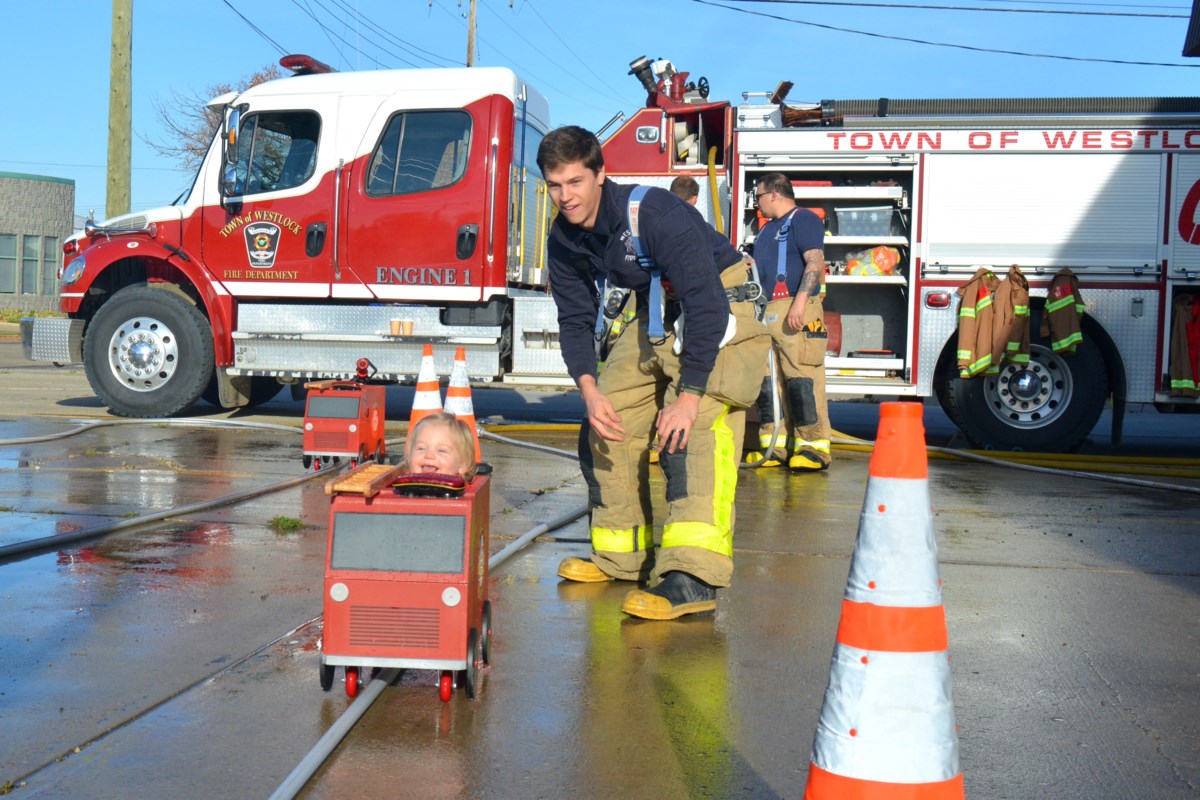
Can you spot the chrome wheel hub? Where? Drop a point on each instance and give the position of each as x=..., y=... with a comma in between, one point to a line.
x=143, y=354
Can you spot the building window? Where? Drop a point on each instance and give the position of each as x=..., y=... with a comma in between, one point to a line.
x=29, y=263
x=8, y=263
x=50, y=261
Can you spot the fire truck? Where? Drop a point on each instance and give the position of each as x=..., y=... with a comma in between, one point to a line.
x=1105, y=187
x=332, y=206
x=336, y=216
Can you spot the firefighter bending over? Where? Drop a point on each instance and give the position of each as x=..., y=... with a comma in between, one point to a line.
x=678, y=374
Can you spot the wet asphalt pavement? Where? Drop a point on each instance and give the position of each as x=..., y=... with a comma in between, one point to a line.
x=180, y=660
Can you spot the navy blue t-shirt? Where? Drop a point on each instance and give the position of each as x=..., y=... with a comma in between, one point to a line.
x=807, y=233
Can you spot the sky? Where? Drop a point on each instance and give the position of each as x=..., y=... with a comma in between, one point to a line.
x=575, y=52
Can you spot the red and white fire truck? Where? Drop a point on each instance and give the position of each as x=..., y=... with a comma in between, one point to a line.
x=1107, y=187
x=333, y=204
x=336, y=216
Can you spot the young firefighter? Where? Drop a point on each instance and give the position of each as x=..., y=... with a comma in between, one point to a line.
x=685, y=391
x=790, y=255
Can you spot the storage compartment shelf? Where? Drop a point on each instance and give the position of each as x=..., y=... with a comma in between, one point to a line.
x=897, y=279
x=854, y=364
x=848, y=192
x=871, y=240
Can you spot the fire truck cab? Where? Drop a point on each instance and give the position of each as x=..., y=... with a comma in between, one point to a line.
x=327, y=205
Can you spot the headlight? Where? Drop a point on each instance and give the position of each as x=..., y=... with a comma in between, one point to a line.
x=72, y=271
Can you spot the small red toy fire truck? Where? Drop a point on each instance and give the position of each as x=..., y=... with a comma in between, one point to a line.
x=406, y=576
x=344, y=419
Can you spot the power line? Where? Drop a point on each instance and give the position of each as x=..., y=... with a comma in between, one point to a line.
x=963, y=8
x=522, y=69
x=536, y=48
x=554, y=33
x=341, y=55
x=413, y=49
x=256, y=29
x=943, y=44
x=353, y=47
x=1063, y=3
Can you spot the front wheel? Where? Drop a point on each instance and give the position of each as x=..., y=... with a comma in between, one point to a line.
x=148, y=353
x=1050, y=404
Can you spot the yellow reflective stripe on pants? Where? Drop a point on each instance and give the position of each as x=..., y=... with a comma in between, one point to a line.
x=820, y=445
x=628, y=540
x=717, y=537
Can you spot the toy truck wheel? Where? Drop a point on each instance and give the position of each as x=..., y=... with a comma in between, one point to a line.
x=352, y=682
x=445, y=687
x=1050, y=404
x=307, y=461
x=148, y=353
x=326, y=676
x=471, y=673
x=485, y=633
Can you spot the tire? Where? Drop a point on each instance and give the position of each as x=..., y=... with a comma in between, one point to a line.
x=1049, y=405
x=148, y=353
x=471, y=673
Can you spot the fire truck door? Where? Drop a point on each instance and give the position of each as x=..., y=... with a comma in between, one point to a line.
x=273, y=235
x=416, y=223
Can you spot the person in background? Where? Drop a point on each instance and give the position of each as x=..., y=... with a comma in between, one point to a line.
x=684, y=388
x=686, y=188
x=790, y=253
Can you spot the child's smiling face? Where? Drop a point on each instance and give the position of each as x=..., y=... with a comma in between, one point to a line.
x=434, y=450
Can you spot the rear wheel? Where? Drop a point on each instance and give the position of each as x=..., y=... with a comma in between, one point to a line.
x=471, y=673
x=485, y=633
x=148, y=353
x=1050, y=404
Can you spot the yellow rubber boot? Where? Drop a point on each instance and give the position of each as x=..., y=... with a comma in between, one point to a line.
x=581, y=571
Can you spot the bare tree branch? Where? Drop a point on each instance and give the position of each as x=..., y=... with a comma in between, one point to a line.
x=188, y=125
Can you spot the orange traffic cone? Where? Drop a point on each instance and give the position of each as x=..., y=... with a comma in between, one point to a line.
x=428, y=398
x=887, y=724
x=458, y=396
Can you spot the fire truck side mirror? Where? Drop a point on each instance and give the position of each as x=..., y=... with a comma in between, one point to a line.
x=229, y=154
x=233, y=121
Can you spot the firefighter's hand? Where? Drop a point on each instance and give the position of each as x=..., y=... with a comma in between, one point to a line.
x=675, y=422
x=795, y=315
x=601, y=414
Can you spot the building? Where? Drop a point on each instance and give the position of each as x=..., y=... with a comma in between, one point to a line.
x=36, y=215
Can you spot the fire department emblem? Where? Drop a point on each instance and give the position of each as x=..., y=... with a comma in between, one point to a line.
x=262, y=241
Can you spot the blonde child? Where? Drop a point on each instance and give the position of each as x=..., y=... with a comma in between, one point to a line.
x=441, y=443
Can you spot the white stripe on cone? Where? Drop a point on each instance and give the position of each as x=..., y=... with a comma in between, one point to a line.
x=890, y=719
x=427, y=399
x=895, y=556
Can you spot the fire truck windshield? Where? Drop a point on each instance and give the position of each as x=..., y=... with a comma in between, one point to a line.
x=327, y=407
x=398, y=543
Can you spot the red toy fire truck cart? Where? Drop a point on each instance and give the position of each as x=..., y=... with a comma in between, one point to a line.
x=406, y=576
x=344, y=419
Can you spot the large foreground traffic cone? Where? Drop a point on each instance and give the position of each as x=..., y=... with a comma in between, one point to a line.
x=887, y=724
x=458, y=396
x=428, y=397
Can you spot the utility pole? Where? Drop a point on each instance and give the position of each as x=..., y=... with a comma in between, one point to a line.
x=120, y=96
x=471, y=34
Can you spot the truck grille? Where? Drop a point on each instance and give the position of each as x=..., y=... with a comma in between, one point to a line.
x=382, y=626
x=331, y=441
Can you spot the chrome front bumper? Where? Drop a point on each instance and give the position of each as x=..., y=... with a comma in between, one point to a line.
x=55, y=339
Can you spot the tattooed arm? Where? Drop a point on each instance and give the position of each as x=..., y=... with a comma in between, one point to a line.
x=810, y=284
